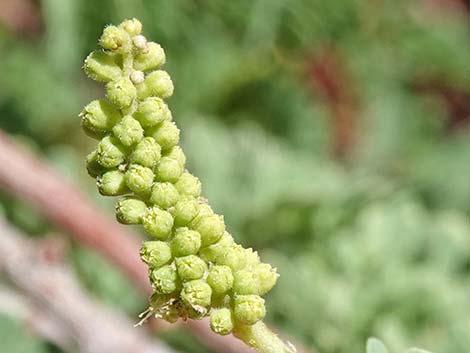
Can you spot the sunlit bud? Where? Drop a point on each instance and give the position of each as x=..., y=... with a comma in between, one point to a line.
x=252, y=257
x=114, y=38
x=151, y=112
x=101, y=66
x=158, y=223
x=149, y=59
x=185, y=210
x=267, y=277
x=93, y=167
x=166, y=134
x=221, y=321
x=249, y=309
x=111, y=152
x=188, y=185
x=133, y=27
x=139, y=179
x=196, y=293
x=155, y=253
x=164, y=195
x=98, y=118
x=112, y=183
x=168, y=170
x=121, y=92
x=137, y=77
x=128, y=131
x=211, y=228
x=186, y=242
x=158, y=83
x=129, y=210
x=177, y=153
x=220, y=279
x=234, y=257
x=147, y=153
x=212, y=252
x=190, y=267
x=140, y=42
x=164, y=280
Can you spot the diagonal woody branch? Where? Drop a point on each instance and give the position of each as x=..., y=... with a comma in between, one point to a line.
x=24, y=175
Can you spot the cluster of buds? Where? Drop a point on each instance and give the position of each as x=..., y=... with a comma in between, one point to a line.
x=195, y=266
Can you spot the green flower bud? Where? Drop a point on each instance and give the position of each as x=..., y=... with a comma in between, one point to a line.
x=139, y=179
x=121, y=92
x=93, y=167
x=211, y=228
x=114, y=38
x=111, y=152
x=101, y=66
x=196, y=294
x=151, y=112
x=190, y=267
x=164, y=195
x=133, y=27
x=252, y=257
x=155, y=253
x=249, y=309
x=186, y=242
x=188, y=185
x=212, y=252
x=158, y=83
x=166, y=134
x=234, y=257
x=152, y=58
x=147, y=153
x=98, y=118
x=164, y=279
x=258, y=280
x=185, y=211
x=220, y=279
x=168, y=170
x=158, y=223
x=128, y=131
x=176, y=153
x=221, y=321
x=130, y=210
x=267, y=277
x=112, y=183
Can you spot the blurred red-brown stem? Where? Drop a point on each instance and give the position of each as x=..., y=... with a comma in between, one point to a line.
x=24, y=175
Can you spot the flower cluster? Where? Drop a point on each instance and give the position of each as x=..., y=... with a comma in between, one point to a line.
x=195, y=266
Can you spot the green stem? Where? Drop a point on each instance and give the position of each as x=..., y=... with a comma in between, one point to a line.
x=261, y=338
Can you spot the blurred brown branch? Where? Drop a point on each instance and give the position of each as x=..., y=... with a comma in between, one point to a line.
x=58, y=309
x=23, y=175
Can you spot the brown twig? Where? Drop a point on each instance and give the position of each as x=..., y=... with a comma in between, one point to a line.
x=22, y=174
x=59, y=309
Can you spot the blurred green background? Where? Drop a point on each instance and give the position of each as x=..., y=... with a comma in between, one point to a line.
x=334, y=135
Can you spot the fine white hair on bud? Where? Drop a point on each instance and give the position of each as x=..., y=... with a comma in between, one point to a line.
x=195, y=267
x=137, y=77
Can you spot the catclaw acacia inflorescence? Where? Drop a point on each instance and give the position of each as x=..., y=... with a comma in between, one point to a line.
x=195, y=267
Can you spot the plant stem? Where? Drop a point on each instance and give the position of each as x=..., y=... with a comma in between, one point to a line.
x=261, y=338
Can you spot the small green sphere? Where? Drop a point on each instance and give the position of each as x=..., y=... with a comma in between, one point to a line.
x=186, y=242
x=176, y=153
x=112, y=183
x=139, y=179
x=151, y=112
x=220, y=279
x=98, y=118
x=114, y=38
x=121, y=92
x=102, y=66
x=190, y=267
x=164, y=279
x=158, y=223
x=168, y=170
x=185, y=210
x=129, y=210
x=133, y=26
x=150, y=59
x=147, y=153
x=233, y=257
x=249, y=309
x=188, y=185
x=128, y=131
x=164, y=195
x=158, y=83
x=196, y=293
x=155, y=253
x=93, y=168
x=166, y=134
x=211, y=228
x=221, y=321
x=214, y=251
x=111, y=152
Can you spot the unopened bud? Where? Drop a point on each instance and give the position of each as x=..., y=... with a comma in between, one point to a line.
x=101, y=66
x=139, y=179
x=164, y=280
x=186, y=242
x=146, y=153
x=151, y=112
x=158, y=83
x=114, y=38
x=196, y=293
x=121, y=92
x=249, y=309
x=111, y=152
x=128, y=131
x=168, y=170
x=188, y=185
x=158, y=223
x=190, y=267
x=211, y=228
x=129, y=210
x=221, y=321
x=177, y=153
x=98, y=118
x=112, y=183
x=185, y=211
x=155, y=253
x=151, y=58
x=166, y=134
x=164, y=195
x=93, y=167
x=133, y=27
x=220, y=279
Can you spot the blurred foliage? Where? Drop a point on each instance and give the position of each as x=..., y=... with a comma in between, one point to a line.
x=377, y=243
